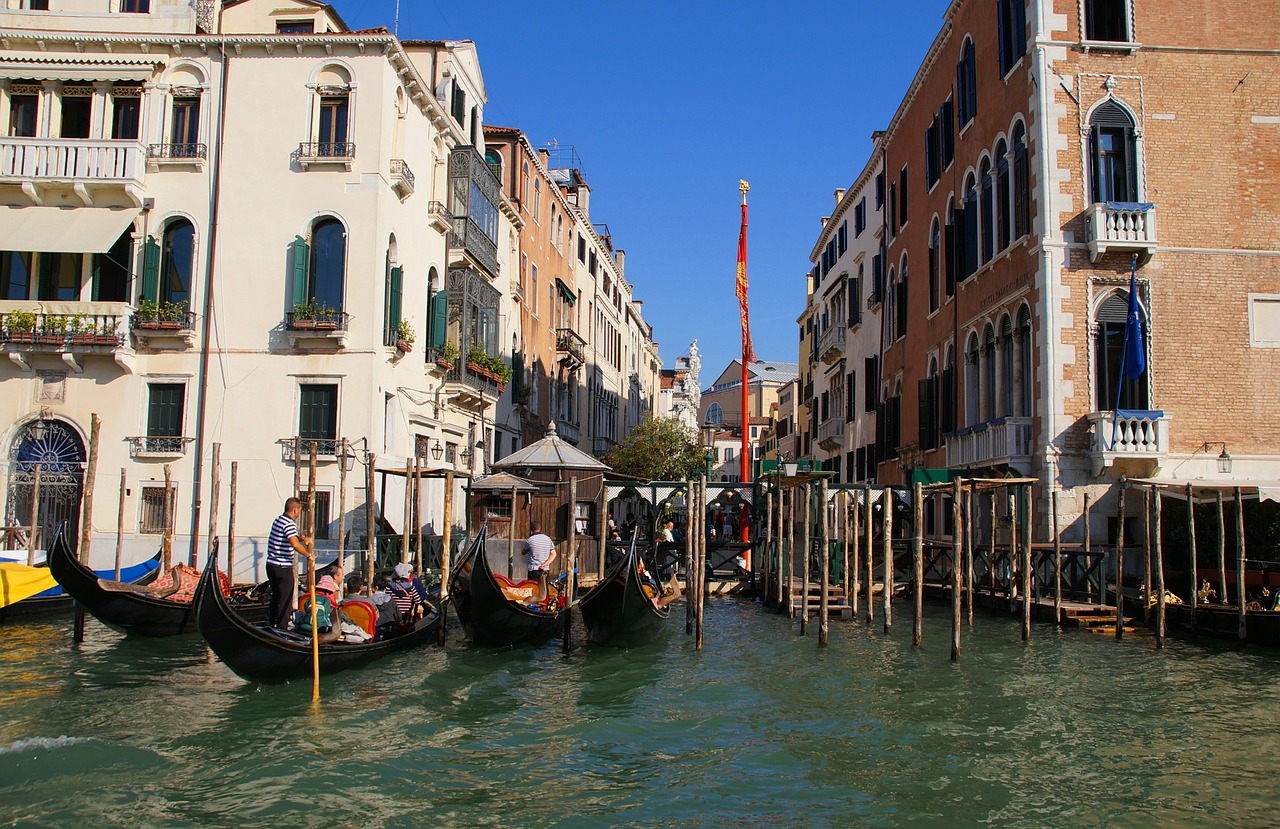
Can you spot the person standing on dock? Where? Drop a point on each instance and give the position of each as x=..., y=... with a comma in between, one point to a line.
x=539, y=551
x=282, y=543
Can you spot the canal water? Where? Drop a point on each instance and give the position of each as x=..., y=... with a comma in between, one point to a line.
x=760, y=728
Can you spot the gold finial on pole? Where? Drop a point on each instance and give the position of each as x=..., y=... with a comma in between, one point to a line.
x=744, y=187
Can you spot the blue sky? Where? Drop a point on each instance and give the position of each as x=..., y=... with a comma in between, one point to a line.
x=669, y=104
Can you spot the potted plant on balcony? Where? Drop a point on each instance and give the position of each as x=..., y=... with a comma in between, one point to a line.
x=326, y=317
x=404, y=336
x=479, y=362
x=447, y=356
x=53, y=329
x=523, y=395
x=20, y=326
x=304, y=314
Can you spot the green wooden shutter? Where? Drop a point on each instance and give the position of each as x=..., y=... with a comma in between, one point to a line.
x=150, y=267
x=299, y=254
x=397, y=278
x=164, y=412
x=439, y=318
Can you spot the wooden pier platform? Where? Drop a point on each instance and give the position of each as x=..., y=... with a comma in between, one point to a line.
x=837, y=601
x=1097, y=618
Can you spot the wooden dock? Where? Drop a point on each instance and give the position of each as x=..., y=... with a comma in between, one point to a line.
x=798, y=601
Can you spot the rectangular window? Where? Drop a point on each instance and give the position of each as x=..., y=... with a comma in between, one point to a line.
x=164, y=409
x=186, y=121
x=860, y=217
x=902, y=196
x=932, y=154
x=38, y=5
x=15, y=274
x=843, y=238
x=333, y=126
x=879, y=190
x=22, y=115
x=1106, y=20
x=135, y=6
x=295, y=27
x=947, y=133
x=322, y=515
x=855, y=298
x=151, y=520
x=870, y=380
x=75, y=116
x=893, y=210
x=582, y=249
x=318, y=412
x=125, y=116
x=60, y=276
x=458, y=105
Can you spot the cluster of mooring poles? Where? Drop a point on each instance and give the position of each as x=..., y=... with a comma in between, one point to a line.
x=695, y=559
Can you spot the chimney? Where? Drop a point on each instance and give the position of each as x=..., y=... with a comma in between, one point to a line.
x=620, y=257
x=544, y=155
x=839, y=194
x=584, y=199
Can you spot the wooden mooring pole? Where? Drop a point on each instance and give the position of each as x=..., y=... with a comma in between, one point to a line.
x=768, y=546
x=855, y=537
x=1057, y=563
x=845, y=526
x=1146, y=553
x=887, y=555
x=342, y=510
x=1222, y=550
x=956, y=529
x=1027, y=563
x=806, y=523
x=917, y=564
x=786, y=503
x=231, y=523
x=869, y=535
x=969, y=495
x=1241, y=600
x=702, y=562
x=120, y=526
x=408, y=511
x=1088, y=553
x=824, y=542
x=1124, y=485
x=166, y=540
x=86, y=513
x=215, y=486
x=1191, y=534
x=1157, y=564
x=35, y=516
x=417, y=514
x=371, y=529
x=991, y=550
x=445, y=554
x=571, y=562
x=689, y=529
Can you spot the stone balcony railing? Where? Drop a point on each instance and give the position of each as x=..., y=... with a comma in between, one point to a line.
x=1128, y=435
x=1002, y=442
x=80, y=162
x=1122, y=226
x=831, y=344
x=568, y=430
x=831, y=431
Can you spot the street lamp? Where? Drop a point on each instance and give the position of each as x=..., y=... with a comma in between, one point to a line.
x=437, y=451
x=1224, y=460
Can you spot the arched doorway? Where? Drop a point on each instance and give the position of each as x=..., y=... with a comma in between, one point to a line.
x=55, y=446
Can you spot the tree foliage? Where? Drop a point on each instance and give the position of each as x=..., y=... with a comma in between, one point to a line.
x=658, y=449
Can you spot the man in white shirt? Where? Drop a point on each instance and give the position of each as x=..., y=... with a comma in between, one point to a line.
x=539, y=551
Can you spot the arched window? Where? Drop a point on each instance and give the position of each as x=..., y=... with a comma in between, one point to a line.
x=1002, y=196
x=333, y=113
x=969, y=232
x=111, y=270
x=177, y=259
x=715, y=414
x=988, y=211
x=1021, y=183
x=989, y=373
x=966, y=84
x=972, y=382
x=328, y=271
x=1108, y=356
x=902, y=297
x=437, y=316
x=1113, y=154
x=891, y=306
x=1006, y=366
x=493, y=159
x=935, y=266
x=949, y=253
x=1025, y=387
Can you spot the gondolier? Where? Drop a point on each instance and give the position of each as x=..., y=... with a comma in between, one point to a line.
x=539, y=551
x=282, y=543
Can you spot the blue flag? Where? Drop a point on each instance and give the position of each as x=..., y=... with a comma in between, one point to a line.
x=1135, y=352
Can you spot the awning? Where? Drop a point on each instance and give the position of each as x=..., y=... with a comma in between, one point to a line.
x=63, y=230
x=35, y=69
x=566, y=291
x=1204, y=490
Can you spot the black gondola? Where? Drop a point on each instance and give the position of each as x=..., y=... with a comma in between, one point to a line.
x=55, y=599
x=129, y=608
x=262, y=654
x=488, y=617
x=618, y=611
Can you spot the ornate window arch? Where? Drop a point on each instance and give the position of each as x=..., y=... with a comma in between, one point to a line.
x=1024, y=376
x=1113, y=153
x=935, y=265
x=1108, y=355
x=1006, y=370
x=1021, y=182
x=972, y=381
x=988, y=210
x=989, y=372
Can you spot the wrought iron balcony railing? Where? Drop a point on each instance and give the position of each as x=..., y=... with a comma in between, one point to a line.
x=570, y=347
x=150, y=446
x=468, y=236
x=401, y=177
x=177, y=152
x=64, y=332
x=298, y=449
x=324, y=321
x=185, y=321
x=321, y=151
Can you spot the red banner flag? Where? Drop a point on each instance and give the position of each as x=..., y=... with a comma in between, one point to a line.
x=748, y=352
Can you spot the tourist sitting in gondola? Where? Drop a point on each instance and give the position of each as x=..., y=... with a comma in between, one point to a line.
x=660, y=596
x=390, y=620
x=326, y=612
x=412, y=605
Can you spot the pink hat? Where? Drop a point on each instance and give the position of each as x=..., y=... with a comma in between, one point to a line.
x=327, y=584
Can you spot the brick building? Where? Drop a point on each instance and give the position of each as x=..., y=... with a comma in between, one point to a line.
x=1024, y=171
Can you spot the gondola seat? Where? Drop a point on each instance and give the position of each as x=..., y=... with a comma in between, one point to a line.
x=517, y=591
x=363, y=614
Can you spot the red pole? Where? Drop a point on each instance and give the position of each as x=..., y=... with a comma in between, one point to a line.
x=748, y=357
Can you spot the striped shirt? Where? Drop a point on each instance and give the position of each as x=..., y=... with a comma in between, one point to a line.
x=279, y=550
x=537, y=548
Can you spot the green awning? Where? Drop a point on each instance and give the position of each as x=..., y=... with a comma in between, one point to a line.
x=933, y=476
x=566, y=292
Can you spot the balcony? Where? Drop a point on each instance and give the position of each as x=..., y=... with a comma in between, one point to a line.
x=831, y=344
x=296, y=449
x=517, y=290
x=326, y=153
x=172, y=331
x=468, y=240
x=602, y=446
x=326, y=330
x=1136, y=436
x=24, y=334
x=1120, y=226
x=401, y=178
x=571, y=349
x=831, y=433
x=439, y=216
x=44, y=165
x=189, y=156
x=147, y=447
x=470, y=386
x=568, y=430
x=1005, y=442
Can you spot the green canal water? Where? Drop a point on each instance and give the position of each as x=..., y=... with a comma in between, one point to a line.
x=760, y=728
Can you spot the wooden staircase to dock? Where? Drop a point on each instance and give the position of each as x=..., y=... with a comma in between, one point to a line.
x=1097, y=619
x=837, y=600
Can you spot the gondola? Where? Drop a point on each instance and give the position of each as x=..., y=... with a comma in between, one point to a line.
x=130, y=608
x=56, y=600
x=617, y=611
x=263, y=654
x=488, y=616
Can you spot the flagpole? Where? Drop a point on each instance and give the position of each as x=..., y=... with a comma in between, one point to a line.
x=744, y=456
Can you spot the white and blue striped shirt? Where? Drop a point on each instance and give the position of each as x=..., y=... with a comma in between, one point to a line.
x=279, y=550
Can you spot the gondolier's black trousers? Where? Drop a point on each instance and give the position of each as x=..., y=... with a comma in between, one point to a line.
x=282, y=584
